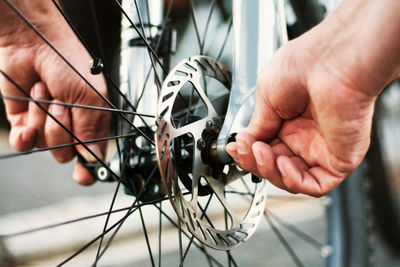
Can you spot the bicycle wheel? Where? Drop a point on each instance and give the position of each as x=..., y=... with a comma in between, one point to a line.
x=146, y=212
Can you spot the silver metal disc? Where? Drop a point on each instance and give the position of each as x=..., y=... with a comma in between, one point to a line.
x=193, y=70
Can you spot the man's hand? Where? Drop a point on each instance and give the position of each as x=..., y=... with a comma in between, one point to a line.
x=315, y=100
x=33, y=65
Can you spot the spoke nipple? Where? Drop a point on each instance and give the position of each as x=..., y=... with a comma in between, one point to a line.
x=201, y=144
x=325, y=251
x=96, y=66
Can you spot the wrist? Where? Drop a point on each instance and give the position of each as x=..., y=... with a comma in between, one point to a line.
x=360, y=41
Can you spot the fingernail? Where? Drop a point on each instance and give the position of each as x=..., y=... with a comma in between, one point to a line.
x=94, y=149
x=38, y=91
x=281, y=167
x=242, y=149
x=57, y=110
x=258, y=155
x=26, y=135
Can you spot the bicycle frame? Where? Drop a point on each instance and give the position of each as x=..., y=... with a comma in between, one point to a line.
x=252, y=48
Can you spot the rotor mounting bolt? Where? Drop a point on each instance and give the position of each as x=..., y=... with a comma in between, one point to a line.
x=96, y=66
x=201, y=144
x=210, y=125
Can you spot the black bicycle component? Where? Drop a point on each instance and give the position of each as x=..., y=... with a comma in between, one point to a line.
x=96, y=169
x=96, y=66
x=138, y=161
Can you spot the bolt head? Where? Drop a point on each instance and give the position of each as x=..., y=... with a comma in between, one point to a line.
x=210, y=125
x=201, y=144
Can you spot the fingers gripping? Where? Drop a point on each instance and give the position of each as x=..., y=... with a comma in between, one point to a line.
x=56, y=135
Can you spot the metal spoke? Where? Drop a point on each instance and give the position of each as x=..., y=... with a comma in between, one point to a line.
x=199, y=246
x=28, y=99
x=107, y=219
x=195, y=27
x=159, y=235
x=146, y=237
x=79, y=251
x=37, y=150
x=180, y=243
x=207, y=24
x=117, y=225
x=126, y=216
x=108, y=77
x=5, y=236
x=33, y=27
x=97, y=31
x=191, y=239
x=278, y=234
x=283, y=241
x=61, y=125
x=158, y=82
x=142, y=37
x=225, y=40
x=299, y=233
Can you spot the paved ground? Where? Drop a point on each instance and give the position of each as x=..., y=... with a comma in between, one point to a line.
x=36, y=191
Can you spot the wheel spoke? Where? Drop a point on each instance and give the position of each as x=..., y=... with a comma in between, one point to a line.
x=126, y=216
x=196, y=28
x=180, y=243
x=201, y=217
x=299, y=233
x=208, y=24
x=283, y=241
x=97, y=31
x=159, y=234
x=5, y=236
x=199, y=246
x=28, y=99
x=83, y=248
x=158, y=82
x=146, y=237
x=33, y=27
x=37, y=150
x=60, y=124
x=225, y=40
x=107, y=219
x=142, y=37
x=107, y=76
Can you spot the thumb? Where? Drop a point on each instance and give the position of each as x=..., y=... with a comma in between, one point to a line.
x=280, y=96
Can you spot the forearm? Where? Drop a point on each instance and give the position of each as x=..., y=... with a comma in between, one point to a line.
x=41, y=13
x=363, y=43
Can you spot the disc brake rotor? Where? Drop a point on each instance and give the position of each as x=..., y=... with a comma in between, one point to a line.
x=194, y=70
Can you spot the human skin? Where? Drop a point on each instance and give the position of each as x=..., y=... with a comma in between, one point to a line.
x=32, y=64
x=315, y=99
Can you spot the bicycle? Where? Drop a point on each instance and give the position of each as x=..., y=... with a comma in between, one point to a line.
x=141, y=42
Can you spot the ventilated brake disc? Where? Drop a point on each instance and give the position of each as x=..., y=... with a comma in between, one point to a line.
x=193, y=71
